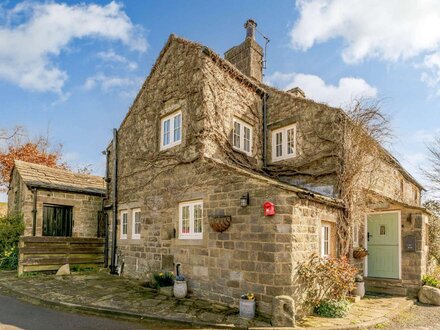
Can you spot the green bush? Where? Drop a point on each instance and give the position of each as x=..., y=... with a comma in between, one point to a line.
x=11, y=228
x=430, y=281
x=163, y=279
x=333, y=308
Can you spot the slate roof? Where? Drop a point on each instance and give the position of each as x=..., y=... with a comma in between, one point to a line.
x=40, y=176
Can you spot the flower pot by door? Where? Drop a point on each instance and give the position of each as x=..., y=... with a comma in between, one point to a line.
x=247, y=308
x=359, y=290
x=180, y=289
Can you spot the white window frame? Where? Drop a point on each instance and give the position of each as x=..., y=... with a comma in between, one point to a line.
x=135, y=235
x=124, y=212
x=355, y=234
x=243, y=125
x=323, y=240
x=191, y=234
x=284, y=149
x=172, y=142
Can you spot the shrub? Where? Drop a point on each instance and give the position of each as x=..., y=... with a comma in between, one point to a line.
x=430, y=281
x=11, y=227
x=163, y=278
x=327, y=279
x=333, y=308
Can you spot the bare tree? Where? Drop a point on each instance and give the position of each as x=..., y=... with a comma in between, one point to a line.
x=358, y=135
x=433, y=172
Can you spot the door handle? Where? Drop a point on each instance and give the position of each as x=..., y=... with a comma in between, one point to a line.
x=368, y=236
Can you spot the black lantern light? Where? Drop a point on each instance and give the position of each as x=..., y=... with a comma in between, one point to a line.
x=244, y=200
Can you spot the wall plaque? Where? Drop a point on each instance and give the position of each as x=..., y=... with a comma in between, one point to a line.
x=410, y=243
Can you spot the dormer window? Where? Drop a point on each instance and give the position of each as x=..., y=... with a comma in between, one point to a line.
x=171, y=130
x=242, y=137
x=284, y=143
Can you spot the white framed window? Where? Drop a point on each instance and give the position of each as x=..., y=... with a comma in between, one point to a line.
x=356, y=235
x=191, y=220
x=171, y=130
x=124, y=224
x=284, y=143
x=242, y=136
x=325, y=240
x=136, y=224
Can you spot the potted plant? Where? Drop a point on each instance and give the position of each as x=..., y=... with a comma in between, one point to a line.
x=360, y=252
x=359, y=290
x=247, y=305
x=164, y=282
x=180, y=288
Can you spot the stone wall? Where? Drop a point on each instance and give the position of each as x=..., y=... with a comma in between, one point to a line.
x=85, y=207
x=257, y=253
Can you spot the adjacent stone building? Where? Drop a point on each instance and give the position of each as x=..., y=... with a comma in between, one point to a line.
x=55, y=202
x=216, y=171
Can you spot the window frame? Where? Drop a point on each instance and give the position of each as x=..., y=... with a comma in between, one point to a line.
x=355, y=235
x=124, y=236
x=323, y=240
x=241, y=136
x=133, y=224
x=191, y=234
x=284, y=143
x=172, y=142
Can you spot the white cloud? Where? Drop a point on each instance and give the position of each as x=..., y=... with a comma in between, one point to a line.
x=111, y=56
x=426, y=136
x=108, y=84
x=388, y=30
x=36, y=33
x=316, y=89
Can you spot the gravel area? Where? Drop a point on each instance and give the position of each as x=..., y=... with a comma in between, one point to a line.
x=419, y=317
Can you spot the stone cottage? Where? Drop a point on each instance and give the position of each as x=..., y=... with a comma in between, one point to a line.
x=55, y=202
x=197, y=176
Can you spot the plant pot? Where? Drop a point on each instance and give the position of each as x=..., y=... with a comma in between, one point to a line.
x=247, y=308
x=180, y=289
x=166, y=291
x=359, y=290
x=220, y=223
x=359, y=254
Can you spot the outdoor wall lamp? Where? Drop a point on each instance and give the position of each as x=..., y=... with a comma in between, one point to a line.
x=244, y=200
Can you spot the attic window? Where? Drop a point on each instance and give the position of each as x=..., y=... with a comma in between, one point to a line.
x=171, y=130
x=284, y=143
x=242, y=136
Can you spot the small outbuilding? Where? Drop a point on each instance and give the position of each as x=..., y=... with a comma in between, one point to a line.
x=56, y=202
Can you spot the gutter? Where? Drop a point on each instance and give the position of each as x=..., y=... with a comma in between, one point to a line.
x=113, y=266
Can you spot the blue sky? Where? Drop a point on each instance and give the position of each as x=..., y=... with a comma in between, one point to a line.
x=73, y=68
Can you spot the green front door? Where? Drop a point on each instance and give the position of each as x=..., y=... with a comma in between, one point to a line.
x=383, y=245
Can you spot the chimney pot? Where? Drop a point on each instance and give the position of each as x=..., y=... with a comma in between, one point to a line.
x=250, y=27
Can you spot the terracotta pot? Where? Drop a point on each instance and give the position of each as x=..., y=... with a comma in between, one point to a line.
x=247, y=308
x=180, y=289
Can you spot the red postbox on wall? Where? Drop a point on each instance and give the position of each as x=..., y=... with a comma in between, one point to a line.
x=269, y=209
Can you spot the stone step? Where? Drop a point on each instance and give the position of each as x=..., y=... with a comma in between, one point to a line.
x=385, y=286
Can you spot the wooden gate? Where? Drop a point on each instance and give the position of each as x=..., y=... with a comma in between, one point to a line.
x=40, y=253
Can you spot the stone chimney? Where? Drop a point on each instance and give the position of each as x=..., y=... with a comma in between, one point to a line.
x=248, y=56
x=297, y=92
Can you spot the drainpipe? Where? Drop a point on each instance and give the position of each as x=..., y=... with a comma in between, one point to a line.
x=265, y=96
x=113, y=266
x=34, y=213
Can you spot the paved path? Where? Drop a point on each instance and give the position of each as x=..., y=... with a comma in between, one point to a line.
x=16, y=314
x=419, y=317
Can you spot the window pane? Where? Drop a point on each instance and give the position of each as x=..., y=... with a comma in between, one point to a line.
x=198, y=218
x=177, y=127
x=236, y=134
x=279, y=144
x=124, y=223
x=326, y=240
x=166, y=132
x=137, y=223
x=290, y=141
x=247, y=139
x=185, y=219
